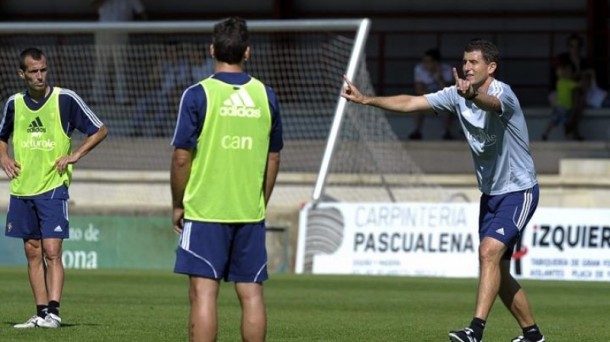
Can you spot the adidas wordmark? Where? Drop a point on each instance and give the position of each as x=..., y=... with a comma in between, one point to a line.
x=240, y=104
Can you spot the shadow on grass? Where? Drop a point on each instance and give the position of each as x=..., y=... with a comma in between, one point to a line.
x=63, y=325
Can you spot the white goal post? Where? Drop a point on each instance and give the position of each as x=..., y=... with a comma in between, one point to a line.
x=354, y=62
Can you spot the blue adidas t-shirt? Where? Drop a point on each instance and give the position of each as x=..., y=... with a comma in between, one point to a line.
x=193, y=104
x=74, y=113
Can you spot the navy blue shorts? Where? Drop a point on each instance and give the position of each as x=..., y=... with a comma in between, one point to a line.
x=233, y=252
x=503, y=217
x=37, y=218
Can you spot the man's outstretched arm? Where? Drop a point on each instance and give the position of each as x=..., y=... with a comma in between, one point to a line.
x=398, y=103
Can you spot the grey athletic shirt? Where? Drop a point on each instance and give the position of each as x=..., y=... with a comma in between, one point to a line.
x=499, y=142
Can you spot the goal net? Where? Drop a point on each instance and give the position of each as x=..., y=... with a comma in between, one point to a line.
x=132, y=76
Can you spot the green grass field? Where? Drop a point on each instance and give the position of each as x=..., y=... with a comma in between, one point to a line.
x=152, y=306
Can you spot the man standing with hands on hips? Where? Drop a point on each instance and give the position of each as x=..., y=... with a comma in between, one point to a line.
x=495, y=129
x=41, y=121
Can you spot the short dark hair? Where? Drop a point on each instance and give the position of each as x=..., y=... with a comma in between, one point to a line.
x=33, y=52
x=230, y=40
x=488, y=49
x=435, y=54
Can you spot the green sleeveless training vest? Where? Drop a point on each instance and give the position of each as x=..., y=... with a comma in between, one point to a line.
x=38, y=141
x=228, y=167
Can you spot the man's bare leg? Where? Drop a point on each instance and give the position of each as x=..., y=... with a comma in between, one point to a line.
x=514, y=298
x=203, y=324
x=490, y=255
x=55, y=268
x=36, y=270
x=254, y=317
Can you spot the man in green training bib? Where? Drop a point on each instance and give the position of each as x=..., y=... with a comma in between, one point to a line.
x=227, y=144
x=41, y=120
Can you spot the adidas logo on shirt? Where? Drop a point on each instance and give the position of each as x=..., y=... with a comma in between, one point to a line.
x=36, y=126
x=240, y=104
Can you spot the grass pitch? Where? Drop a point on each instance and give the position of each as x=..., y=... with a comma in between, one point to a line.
x=153, y=306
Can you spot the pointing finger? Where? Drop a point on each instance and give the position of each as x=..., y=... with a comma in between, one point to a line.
x=349, y=83
x=349, y=89
x=456, y=76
